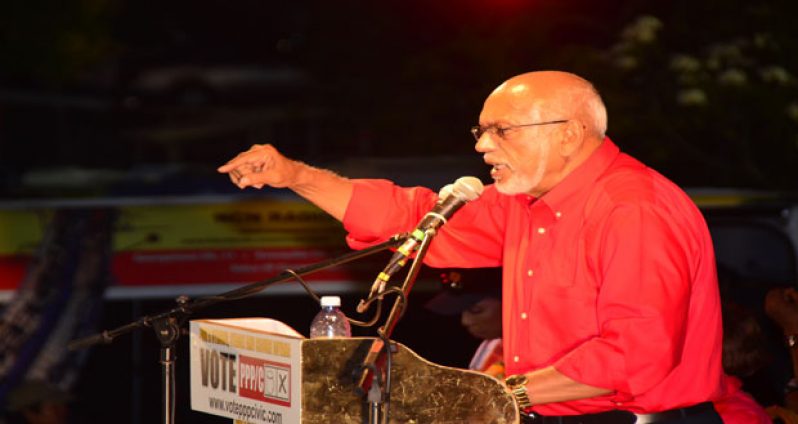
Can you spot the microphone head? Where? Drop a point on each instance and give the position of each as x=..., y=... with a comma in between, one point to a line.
x=445, y=191
x=467, y=188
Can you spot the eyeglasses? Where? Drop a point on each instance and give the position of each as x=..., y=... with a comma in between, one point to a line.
x=500, y=132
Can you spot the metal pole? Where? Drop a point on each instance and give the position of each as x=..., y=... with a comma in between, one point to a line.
x=168, y=384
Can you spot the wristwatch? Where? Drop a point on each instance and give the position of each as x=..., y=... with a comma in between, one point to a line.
x=517, y=385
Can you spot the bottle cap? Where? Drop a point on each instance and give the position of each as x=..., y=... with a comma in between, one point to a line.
x=330, y=301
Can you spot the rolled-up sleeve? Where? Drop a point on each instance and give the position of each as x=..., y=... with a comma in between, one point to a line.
x=380, y=209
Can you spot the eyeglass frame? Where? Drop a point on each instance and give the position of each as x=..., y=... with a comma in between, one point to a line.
x=478, y=131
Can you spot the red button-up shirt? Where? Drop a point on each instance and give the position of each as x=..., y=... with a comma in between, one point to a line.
x=609, y=277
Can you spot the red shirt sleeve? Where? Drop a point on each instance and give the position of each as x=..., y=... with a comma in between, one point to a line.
x=379, y=209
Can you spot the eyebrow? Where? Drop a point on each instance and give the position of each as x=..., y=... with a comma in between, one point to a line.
x=495, y=124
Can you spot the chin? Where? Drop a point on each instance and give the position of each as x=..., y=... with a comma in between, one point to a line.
x=477, y=335
x=513, y=186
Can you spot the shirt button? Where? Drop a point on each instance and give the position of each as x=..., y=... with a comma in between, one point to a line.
x=516, y=358
x=530, y=273
x=541, y=230
x=558, y=214
x=523, y=315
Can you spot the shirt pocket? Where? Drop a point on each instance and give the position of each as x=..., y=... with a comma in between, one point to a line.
x=566, y=260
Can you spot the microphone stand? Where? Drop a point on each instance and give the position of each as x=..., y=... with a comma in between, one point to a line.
x=368, y=374
x=168, y=324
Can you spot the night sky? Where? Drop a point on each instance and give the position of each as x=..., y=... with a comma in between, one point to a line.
x=703, y=91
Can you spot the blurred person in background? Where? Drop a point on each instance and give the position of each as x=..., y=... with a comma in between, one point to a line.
x=475, y=295
x=744, y=352
x=37, y=402
x=781, y=306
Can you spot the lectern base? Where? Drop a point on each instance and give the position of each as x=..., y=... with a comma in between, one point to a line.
x=421, y=391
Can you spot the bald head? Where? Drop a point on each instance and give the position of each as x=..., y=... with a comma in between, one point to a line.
x=553, y=95
x=536, y=128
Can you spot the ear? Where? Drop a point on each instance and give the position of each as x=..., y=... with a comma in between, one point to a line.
x=572, y=138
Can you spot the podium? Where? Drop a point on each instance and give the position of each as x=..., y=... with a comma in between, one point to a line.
x=260, y=370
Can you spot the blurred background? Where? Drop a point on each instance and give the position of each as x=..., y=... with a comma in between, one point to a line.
x=114, y=115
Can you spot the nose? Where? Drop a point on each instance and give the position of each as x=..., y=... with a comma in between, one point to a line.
x=465, y=319
x=485, y=143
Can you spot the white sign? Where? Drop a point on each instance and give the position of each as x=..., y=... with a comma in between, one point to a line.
x=248, y=369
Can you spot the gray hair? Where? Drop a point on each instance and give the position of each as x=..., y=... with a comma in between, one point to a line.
x=583, y=101
x=596, y=112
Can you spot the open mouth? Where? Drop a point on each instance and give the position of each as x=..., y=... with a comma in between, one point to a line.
x=497, y=170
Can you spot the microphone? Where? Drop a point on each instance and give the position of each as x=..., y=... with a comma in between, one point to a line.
x=452, y=198
x=444, y=192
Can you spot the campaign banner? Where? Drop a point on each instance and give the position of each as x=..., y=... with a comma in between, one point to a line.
x=247, y=369
x=193, y=241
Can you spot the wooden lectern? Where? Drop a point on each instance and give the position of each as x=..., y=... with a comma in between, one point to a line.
x=260, y=370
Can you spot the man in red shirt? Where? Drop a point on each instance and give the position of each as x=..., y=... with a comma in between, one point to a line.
x=611, y=307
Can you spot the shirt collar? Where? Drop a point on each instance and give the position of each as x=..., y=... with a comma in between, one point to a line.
x=582, y=177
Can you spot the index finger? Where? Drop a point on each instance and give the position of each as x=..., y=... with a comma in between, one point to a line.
x=242, y=159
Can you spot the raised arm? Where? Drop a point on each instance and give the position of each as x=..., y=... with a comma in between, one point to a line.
x=263, y=165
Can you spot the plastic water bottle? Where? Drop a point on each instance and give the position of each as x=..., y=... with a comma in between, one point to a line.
x=330, y=321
